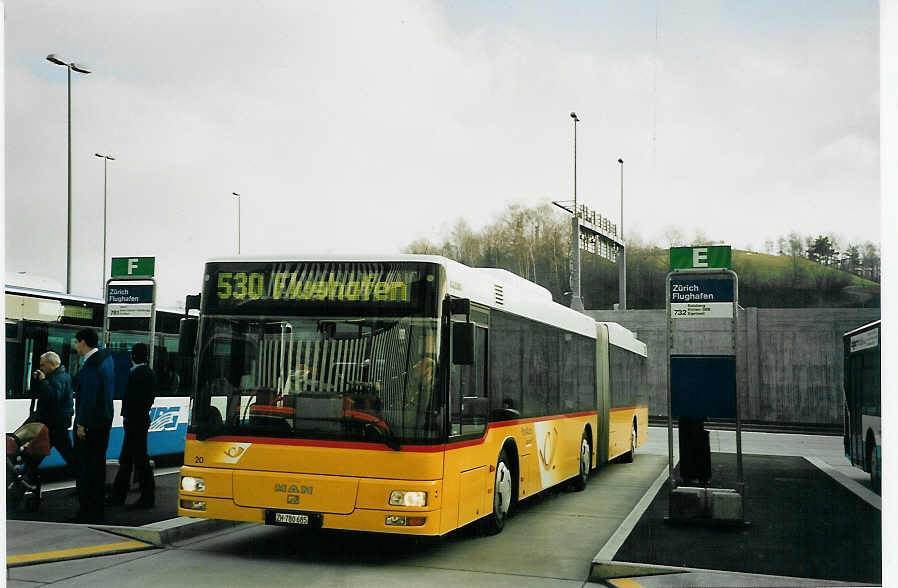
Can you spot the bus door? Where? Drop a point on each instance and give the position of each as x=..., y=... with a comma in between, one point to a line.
x=35, y=343
x=468, y=417
x=14, y=359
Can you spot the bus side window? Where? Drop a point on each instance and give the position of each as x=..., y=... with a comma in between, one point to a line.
x=468, y=391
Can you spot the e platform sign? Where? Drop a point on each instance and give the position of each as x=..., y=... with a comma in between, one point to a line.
x=710, y=257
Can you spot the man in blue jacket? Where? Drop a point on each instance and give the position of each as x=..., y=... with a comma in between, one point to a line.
x=136, y=412
x=54, y=404
x=93, y=419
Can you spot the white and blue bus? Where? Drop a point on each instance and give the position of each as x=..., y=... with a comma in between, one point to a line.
x=38, y=321
x=863, y=406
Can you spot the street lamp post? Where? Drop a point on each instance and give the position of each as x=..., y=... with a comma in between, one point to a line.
x=106, y=158
x=622, y=275
x=238, y=221
x=576, y=301
x=53, y=58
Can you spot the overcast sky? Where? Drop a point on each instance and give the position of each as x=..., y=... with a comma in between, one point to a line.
x=361, y=126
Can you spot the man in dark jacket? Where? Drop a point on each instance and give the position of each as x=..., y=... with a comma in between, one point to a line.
x=136, y=412
x=93, y=419
x=54, y=404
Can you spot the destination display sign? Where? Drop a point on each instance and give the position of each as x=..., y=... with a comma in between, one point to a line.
x=129, y=294
x=319, y=287
x=865, y=340
x=78, y=312
x=129, y=300
x=701, y=298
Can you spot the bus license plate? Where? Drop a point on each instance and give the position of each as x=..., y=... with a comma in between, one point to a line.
x=294, y=519
x=291, y=519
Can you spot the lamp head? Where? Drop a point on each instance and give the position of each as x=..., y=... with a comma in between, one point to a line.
x=620, y=161
x=80, y=68
x=574, y=116
x=53, y=58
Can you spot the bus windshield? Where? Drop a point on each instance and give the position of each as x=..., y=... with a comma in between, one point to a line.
x=338, y=378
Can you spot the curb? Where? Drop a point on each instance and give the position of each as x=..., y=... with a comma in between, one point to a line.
x=602, y=570
x=605, y=571
x=167, y=532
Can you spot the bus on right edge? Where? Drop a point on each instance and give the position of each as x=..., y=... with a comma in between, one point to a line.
x=863, y=428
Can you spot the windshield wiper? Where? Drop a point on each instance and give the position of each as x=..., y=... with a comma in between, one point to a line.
x=372, y=422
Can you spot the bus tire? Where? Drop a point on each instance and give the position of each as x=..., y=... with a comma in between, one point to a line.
x=873, y=461
x=579, y=482
x=502, y=489
x=628, y=456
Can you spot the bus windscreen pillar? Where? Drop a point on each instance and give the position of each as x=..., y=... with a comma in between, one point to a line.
x=702, y=306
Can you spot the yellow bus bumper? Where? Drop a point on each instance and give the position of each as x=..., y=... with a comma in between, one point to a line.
x=354, y=504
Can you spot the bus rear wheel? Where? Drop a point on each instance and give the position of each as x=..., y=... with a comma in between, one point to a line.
x=875, y=474
x=628, y=457
x=502, y=488
x=579, y=482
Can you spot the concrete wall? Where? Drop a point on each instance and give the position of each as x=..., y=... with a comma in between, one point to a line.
x=788, y=362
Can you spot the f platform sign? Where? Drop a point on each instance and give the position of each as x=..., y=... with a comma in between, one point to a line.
x=709, y=257
x=133, y=267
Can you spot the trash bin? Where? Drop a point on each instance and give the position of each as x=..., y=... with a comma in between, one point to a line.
x=695, y=451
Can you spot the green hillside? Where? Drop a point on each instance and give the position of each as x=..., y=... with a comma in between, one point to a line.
x=765, y=281
x=778, y=279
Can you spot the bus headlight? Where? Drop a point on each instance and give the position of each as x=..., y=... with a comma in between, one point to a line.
x=404, y=498
x=191, y=484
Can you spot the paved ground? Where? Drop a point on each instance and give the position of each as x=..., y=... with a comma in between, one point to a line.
x=60, y=503
x=550, y=542
x=803, y=524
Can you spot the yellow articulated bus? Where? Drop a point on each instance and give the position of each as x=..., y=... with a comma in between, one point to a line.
x=404, y=394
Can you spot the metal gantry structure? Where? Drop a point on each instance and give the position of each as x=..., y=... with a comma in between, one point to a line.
x=598, y=235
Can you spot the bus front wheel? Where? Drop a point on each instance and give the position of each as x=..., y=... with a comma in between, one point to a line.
x=502, y=488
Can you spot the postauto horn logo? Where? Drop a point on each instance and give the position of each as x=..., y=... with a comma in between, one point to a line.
x=164, y=418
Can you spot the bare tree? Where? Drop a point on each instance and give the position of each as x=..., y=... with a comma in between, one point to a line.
x=673, y=236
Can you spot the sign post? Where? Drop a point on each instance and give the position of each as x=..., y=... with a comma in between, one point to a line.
x=702, y=305
x=131, y=293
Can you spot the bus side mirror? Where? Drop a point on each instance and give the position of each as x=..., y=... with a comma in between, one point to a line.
x=192, y=302
x=463, y=343
x=187, y=329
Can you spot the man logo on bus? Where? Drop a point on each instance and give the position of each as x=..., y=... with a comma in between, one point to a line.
x=163, y=418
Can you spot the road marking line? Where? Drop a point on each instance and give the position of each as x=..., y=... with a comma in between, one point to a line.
x=626, y=583
x=867, y=496
x=75, y=552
